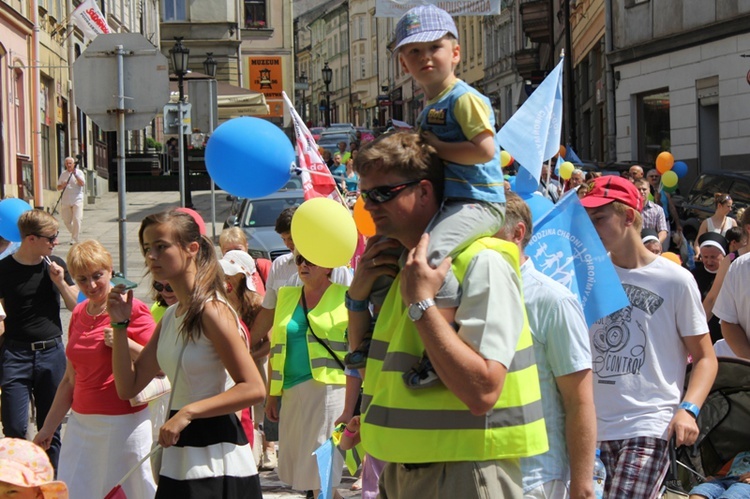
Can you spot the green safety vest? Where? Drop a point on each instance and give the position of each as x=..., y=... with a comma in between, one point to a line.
x=329, y=319
x=404, y=425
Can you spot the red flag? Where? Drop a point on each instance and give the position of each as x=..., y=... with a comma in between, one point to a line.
x=116, y=493
x=317, y=180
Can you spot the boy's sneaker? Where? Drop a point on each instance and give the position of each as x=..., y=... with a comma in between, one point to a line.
x=421, y=375
x=357, y=359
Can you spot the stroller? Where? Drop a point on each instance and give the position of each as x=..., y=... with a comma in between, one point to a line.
x=724, y=429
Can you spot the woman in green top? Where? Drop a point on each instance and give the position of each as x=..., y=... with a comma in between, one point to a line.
x=307, y=373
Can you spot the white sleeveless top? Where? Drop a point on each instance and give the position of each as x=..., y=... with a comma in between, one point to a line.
x=727, y=224
x=202, y=373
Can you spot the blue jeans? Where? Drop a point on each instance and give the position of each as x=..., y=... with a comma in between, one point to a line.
x=723, y=488
x=27, y=372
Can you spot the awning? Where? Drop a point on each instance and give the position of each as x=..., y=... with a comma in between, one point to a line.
x=233, y=101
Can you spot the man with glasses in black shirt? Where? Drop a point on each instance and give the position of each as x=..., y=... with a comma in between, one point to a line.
x=32, y=354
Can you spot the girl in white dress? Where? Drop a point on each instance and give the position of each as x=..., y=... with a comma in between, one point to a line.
x=206, y=453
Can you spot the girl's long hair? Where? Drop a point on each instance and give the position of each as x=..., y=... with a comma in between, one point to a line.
x=209, y=277
x=249, y=302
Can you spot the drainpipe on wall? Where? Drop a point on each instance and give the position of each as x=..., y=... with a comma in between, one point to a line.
x=36, y=114
x=610, y=83
x=72, y=111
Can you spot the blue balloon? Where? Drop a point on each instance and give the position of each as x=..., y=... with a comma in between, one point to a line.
x=10, y=210
x=680, y=168
x=249, y=157
x=525, y=182
x=538, y=204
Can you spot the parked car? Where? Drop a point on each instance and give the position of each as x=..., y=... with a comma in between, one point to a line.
x=698, y=204
x=257, y=218
x=330, y=140
x=316, y=131
x=341, y=126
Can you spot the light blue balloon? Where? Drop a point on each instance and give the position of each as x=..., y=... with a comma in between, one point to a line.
x=249, y=157
x=538, y=204
x=680, y=168
x=10, y=210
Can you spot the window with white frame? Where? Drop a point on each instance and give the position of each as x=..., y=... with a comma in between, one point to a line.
x=255, y=14
x=174, y=10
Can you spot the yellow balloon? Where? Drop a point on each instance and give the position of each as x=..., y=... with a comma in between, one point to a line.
x=324, y=232
x=566, y=170
x=669, y=179
x=505, y=158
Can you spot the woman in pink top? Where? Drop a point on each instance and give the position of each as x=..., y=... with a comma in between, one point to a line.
x=105, y=436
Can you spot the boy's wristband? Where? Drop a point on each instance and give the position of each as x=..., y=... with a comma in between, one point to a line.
x=354, y=305
x=349, y=433
x=123, y=324
x=691, y=408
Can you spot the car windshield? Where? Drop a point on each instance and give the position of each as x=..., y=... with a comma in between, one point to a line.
x=335, y=137
x=263, y=212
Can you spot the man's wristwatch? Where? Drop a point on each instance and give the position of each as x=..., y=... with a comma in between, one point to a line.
x=416, y=310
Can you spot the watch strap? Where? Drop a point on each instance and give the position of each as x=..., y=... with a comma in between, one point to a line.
x=353, y=305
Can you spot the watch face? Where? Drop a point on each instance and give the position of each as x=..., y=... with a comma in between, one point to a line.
x=415, y=312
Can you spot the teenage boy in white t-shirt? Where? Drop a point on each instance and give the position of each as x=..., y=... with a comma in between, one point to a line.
x=640, y=352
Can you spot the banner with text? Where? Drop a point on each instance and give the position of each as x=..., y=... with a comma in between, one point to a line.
x=90, y=20
x=265, y=76
x=397, y=8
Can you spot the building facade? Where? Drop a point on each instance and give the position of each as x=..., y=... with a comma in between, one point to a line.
x=681, y=82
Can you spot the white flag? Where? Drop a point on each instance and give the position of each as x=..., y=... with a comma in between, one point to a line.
x=90, y=20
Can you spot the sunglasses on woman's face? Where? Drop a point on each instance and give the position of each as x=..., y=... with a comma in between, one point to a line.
x=159, y=287
x=299, y=260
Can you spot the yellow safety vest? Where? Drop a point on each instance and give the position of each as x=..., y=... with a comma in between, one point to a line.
x=329, y=319
x=404, y=425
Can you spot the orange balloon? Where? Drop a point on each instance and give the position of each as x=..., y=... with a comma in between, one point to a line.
x=562, y=151
x=664, y=162
x=363, y=219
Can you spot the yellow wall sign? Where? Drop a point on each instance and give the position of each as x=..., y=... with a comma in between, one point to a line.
x=265, y=76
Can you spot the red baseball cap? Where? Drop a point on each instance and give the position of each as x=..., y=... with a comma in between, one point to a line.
x=604, y=190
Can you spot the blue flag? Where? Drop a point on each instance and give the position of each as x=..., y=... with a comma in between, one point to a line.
x=566, y=247
x=324, y=455
x=532, y=134
x=570, y=155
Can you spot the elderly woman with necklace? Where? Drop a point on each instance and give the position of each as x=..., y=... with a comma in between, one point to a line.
x=105, y=435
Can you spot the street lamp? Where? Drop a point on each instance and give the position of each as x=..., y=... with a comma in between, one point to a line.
x=303, y=81
x=180, y=55
x=327, y=76
x=209, y=65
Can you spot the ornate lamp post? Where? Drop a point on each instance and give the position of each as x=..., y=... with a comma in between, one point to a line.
x=303, y=81
x=327, y=76
x=210, y=64
x=180, y=55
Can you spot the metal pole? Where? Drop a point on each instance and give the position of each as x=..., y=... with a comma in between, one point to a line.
x=181, y=143
x=328, y=107
x=610, y=84
x=570, y=98
x=213, y=185
x=121, y=159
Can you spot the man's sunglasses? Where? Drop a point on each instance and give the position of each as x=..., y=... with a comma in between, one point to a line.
x=299, y=260
x=159, y=287
x=51, y=239
x=385, y=193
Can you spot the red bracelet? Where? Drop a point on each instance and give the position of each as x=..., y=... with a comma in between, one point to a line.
x=349, y=433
